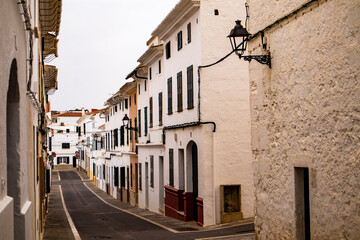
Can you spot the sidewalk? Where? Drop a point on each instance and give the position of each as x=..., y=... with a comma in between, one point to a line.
x=56, y=224
x=173, y=225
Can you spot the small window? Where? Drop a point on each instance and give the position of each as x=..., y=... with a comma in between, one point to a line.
x=189, y=33
x=65, y=145
x=179, y=40
x=159, y=64
x=62, y=124
x=115, y=108
x=67, y=130
x=126, y=103
x=130, y=101
x=60, y=131
x=150, y=74
x=168, y=50
x=145, y=85
x=134, y=98
x=139, y=89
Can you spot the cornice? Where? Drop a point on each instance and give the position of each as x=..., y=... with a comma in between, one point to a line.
x=180, y=13
x=153, y=53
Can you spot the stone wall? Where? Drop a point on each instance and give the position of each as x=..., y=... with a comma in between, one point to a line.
x=305, y=112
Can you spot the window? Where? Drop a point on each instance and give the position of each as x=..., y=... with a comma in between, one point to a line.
x=61, y=160
x=140, y=177
x=160, y=108
x=116, y=176
x=171, y=167
x=67, y=130
x=134, y=98
x=122, y=138
x=65, y=145
x=60, y=131
x=189, y=33
x=179, y=92
x=122, y=177
x=50, y=147
x=116, y=142
x=151, y=113
x=169, y=88
x=150, y=74
x=84, y=125
x=139, y=117
x=126, y=103
x=152, y=171
x=168, y=50
x=139, y=89
x=115, y=108
x=135, y=126
x=145, y=85
x=190, y=88
x=145, y=121
x=159, y=64
x=130, y=101
x=179, y=41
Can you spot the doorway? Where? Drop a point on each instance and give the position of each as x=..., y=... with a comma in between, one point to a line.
x=161, y=183
x=302, y=203
x=13, y=137
x=147, y=185
x=192, y=182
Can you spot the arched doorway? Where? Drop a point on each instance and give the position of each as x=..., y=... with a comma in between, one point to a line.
x=192, y=175
x=13, y=137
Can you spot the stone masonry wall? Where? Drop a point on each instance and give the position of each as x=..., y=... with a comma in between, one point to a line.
x=305, y=112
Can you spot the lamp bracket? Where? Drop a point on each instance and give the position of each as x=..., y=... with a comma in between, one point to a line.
x=263, y=59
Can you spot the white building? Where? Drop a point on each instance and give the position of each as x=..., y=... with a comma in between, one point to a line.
x=88, y=134
x=195, y=138
x=63, y=139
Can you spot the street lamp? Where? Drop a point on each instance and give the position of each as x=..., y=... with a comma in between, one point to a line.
x=125, y=121
x=239, y=37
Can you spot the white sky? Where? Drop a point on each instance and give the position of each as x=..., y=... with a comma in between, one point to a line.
x=100, y=42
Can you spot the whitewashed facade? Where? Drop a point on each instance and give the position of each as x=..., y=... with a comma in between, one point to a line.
x=63, y=138
x=186, y=154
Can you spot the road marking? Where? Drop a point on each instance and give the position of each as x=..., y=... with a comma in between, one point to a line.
x=155, y=223
x=123, y=210
x=58, y=176
x=72, y=226
x=226, y=236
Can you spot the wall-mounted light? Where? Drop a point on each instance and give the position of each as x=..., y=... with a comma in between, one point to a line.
x=239, y=37
x=125, y=121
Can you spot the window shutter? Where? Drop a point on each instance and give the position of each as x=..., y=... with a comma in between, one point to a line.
x=190, y=88
x=169, y=85
x=160, y=109
x=151, y=112
x=139, y=117
x=179, y=92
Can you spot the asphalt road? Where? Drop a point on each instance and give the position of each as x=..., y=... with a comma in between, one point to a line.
x=94, y=219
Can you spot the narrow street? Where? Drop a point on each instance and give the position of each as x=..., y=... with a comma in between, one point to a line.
x=95, y=218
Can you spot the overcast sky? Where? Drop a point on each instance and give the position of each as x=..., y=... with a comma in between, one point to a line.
x=100, y=42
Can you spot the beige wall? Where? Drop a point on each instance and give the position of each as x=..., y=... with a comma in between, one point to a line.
x=305, y=113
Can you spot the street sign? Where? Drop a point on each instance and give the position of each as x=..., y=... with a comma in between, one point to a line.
x=51, y=157
x=53, y=154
